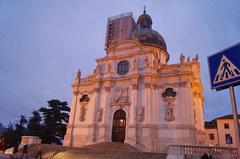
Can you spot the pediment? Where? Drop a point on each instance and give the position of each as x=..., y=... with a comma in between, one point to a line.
x=124, y=45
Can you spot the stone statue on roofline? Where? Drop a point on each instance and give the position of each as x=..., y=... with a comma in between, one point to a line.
x=182, y=59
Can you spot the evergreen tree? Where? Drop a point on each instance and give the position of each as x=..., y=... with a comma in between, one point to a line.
x=1, y=128
x=14, y=132
x=20, y=127
x=55, y=119
x=34, y=124
x=9, y=136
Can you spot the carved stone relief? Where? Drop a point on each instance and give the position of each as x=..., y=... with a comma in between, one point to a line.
x=169, y=97
x=121, y=95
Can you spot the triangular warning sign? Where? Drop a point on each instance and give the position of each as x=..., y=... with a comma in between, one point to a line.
x=226, y=70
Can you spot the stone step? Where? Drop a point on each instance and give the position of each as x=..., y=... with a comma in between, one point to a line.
x=95, y=151
x=108, y=154
x=112, y=146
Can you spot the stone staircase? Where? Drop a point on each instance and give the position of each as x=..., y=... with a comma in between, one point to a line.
x=108, y=151
x=111, y=146
x=95, y=151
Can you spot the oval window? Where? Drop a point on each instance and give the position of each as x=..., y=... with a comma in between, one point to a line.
x=123, y=67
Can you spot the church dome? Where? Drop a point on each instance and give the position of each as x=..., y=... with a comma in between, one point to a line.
x=146, y=35
x=149, y=37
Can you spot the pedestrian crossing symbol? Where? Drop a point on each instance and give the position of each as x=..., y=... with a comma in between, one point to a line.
x=224, y=68
x=226, y=71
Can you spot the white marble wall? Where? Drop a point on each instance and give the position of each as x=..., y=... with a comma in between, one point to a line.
x=146, y=84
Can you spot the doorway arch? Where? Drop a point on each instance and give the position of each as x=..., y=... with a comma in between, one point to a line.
x=119, y=126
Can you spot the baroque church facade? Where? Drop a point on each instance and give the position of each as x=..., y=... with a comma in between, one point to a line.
x=134, y=96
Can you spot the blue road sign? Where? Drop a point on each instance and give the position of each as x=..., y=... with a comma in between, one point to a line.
x=224, y=68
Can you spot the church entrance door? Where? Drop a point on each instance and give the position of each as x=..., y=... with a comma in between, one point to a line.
x=119, y=126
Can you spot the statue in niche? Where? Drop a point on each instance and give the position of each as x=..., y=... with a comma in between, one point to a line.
x=140, y=113
x=169, y=102
x=182, y=59
x=121, y=95
x=169, y=97
x=83, y=113
x=84, y=101
x=99, y=114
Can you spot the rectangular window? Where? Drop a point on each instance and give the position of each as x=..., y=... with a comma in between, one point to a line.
x=226, y=126
x=228, y=139
x=211, y=136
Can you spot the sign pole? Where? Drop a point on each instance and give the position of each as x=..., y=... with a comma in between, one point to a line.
x=235, y=114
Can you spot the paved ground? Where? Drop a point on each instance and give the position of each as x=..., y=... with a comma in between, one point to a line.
x=2, y=156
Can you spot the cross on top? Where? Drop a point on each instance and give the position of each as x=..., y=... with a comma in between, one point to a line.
x=144, y=9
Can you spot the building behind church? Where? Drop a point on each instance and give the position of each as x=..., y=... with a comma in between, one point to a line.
x=221, y=132
x=134, y=96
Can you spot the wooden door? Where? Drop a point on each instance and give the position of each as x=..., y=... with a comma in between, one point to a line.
x=119, y=126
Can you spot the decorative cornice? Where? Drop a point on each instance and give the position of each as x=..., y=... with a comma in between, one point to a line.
x=121, y=104
x=86, y=92
x=85, y=125
x=167, y=126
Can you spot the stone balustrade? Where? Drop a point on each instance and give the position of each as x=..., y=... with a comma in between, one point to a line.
x=197, y=151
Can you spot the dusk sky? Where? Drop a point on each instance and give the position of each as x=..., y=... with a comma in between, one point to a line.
x=44, y=42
